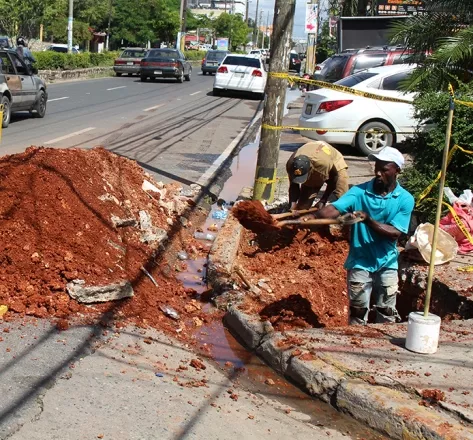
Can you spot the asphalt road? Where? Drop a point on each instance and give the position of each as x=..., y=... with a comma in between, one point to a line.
x=175, y=131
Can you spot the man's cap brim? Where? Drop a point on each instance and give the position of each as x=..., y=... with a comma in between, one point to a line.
x=300, y=179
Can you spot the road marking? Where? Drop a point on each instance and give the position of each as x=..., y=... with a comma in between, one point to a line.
x=115, y=88
x=195, y=93
x=152, y=108
x=205, y=178
x=58, y=99
x=67, y=136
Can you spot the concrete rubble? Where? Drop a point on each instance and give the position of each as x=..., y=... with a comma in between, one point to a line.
x=94, y=294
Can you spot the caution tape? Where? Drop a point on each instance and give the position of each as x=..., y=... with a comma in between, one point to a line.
x=333, y=130
x=465, y=269
x=466, y=103
x=339, y=88
x=459, y=222
x=427, y=190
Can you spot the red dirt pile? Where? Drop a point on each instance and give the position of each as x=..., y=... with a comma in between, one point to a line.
x=56, y=209
x=301, y=278
x=252, y=215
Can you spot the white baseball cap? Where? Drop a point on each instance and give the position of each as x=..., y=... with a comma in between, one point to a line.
x=389, y=154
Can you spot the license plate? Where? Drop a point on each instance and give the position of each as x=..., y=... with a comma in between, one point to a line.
x=308, y=109
x=158, y=72
x=239, y=75
x=213, y=64
x=129, y=63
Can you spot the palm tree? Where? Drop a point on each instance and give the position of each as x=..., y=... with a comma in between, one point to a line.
x=446, y=35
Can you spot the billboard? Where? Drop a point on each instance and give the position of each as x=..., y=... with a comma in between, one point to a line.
x=311, y=18
x=400, y=7
x=222, y=43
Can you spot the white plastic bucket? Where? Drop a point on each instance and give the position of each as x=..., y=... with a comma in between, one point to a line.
x=423, y=333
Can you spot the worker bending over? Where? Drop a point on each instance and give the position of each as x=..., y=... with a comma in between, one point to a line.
x=312, y=165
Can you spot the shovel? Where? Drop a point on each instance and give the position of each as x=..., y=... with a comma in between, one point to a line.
x=346, y=219
x=293, y=213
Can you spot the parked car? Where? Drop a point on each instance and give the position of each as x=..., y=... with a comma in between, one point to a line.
x=345, y=64
x=20, y=87
x=245, y=73
x=129, y=61
x=165, y=63
x=212, y=60
x=329, y=109
x=62, y=48
x=294, y=62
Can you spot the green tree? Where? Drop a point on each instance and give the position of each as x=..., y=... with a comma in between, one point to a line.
x=232, y=27
x=326, y=45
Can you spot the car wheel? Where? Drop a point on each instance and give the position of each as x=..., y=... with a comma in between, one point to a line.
x=180, y=78
x=6, y=111
x=375, y=139
x=118, y=74
x=216, y=92
x=41, y=105
x=204, y=72
x=130, y=74
x=188, y=76
x=143, y=78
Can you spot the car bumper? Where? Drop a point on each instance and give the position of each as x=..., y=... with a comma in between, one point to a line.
x=330, y=136
x=126, y=69
x=211, y=69
x=257, y=85
x=160, y=72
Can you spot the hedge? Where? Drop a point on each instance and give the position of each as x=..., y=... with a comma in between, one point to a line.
x=50, y=60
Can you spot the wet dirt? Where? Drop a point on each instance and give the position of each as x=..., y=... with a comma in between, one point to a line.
x=300, y=277
x=252, y=216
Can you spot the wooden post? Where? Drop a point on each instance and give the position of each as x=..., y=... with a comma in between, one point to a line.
x=268, y=153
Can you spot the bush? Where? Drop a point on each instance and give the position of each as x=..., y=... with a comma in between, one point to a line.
x=427, y=148
x=194, y=55
x=50, y=60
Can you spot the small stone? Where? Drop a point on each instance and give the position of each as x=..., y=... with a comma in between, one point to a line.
x=269, y=382
x=35, y=258
x=68, y=256
x=184, y=221
x=263, y=285
x=169, y=221
x=197, y=321
x=91, y=294
x=427, y=374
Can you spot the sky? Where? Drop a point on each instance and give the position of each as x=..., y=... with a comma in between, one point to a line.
x=268, y=5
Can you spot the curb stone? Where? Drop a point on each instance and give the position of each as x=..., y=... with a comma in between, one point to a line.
x=392, y=411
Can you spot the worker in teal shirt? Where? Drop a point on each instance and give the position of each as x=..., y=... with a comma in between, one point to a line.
x=385, y=210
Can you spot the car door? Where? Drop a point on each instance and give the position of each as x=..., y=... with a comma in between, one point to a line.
x=14, y=83
x=401, y=114
x=28, y=86
x=185, y=63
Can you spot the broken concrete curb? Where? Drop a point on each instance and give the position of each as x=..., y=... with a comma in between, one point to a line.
x=388, y=410
x=93, y=294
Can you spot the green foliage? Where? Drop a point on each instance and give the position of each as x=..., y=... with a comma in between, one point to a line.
x=326, y=45
x=232, y=27
x=195, y=54
x=50, y=60
x=427, y=148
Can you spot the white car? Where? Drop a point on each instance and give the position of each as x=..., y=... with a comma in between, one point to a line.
x=244, y=73
x=330, y=109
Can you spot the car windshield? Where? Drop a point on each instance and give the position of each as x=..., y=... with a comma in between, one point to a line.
x=216, y=55
x=242, y=61
x=332, y=69
x=132, y=54
x=163, y=54
x=58, y=49
x=353, y=80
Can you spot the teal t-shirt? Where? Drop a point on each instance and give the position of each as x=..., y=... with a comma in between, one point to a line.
x=369, y=250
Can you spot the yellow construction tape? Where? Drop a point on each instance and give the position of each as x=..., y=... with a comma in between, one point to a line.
x=459, y=223
x=427, y=190
x=333, y=130
x=337, y=87
x=465, y=269
x=466, y=103
x=3, y=310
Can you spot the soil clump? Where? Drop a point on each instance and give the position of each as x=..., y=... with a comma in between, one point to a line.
x=252, y=215
x=298, y=276
x=58, y=223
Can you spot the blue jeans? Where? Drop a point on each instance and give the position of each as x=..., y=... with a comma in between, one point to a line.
x=361, y=284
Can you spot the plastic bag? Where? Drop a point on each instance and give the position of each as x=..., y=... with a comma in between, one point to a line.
x=447, y=247
x=465, y=213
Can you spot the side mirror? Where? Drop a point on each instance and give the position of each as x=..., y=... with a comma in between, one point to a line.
x=34, y=70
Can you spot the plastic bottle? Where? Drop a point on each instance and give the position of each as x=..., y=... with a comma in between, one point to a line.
x=220, y=214
x=204, y=236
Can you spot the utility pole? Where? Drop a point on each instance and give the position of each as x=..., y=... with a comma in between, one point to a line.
x=312, y=44
x=246, y=14
x=256, y=22
x=268, y=152
x=257, y=31
x=107, y=41
x=70, y=21
x=182, y=27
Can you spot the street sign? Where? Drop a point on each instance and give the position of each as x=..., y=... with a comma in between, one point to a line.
x=311, y=17
x=222, y=44
x=400, y=7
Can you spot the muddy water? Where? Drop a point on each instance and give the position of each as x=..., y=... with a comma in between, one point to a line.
x=239, y=364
